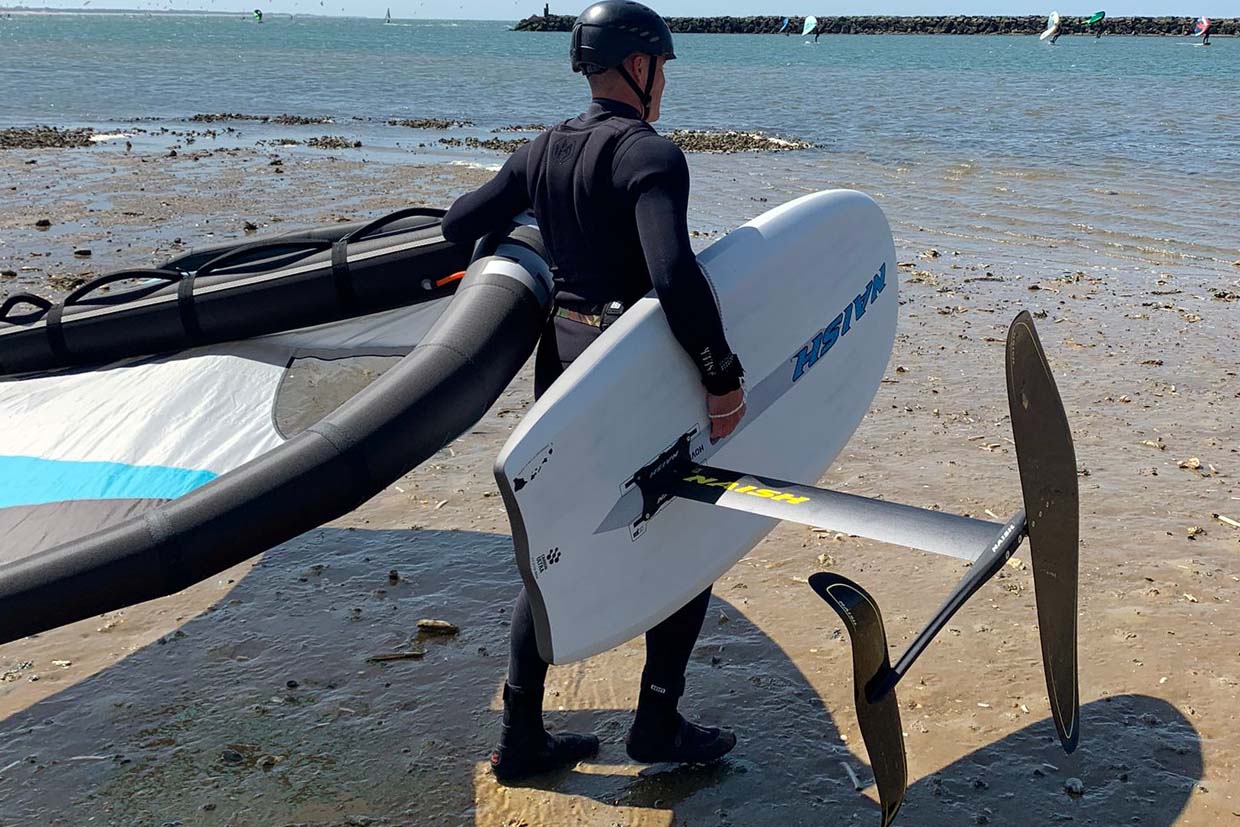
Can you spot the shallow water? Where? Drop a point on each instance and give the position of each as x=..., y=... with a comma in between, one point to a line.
x=1090, y=145
x=1081, y=102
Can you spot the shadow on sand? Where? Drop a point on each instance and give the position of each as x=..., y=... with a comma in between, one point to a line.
x=266, y=710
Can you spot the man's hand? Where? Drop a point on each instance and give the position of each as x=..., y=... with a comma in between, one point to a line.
x=726, y=412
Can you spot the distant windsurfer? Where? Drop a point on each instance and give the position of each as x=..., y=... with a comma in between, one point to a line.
x=1098, y=21
x=611, y=195
x=1053, y=27
x=1202, y=30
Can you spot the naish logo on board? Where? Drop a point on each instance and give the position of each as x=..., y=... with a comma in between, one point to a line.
x=751, y=490
x=826, y=338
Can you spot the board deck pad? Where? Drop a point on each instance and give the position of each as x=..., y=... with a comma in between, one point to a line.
x=1048, y=471
x=808, y=296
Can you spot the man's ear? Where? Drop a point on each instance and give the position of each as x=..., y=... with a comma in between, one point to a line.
x=637, y=67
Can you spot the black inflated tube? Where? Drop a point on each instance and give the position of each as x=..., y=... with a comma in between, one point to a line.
x=240, y=291
x=433, y=395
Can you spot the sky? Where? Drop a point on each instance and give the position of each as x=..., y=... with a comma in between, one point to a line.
x=516, y=9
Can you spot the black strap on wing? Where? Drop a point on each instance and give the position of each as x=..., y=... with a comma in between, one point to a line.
x=240, y=255
x=345, y=294
x=40, y=304
x=56, y=333
x=55, y=315
x=391, y=218
x=187, y=310
x=76, y=297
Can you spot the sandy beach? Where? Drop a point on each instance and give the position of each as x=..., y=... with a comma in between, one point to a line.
x=256, y=699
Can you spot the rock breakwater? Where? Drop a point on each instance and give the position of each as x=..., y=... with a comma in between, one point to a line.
x=913, y=24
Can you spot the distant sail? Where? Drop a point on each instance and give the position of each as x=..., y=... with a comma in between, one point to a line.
x=811, y=23
x=258, y=15
x=1097, y=17
x=1203, y=26
x=388, y=19
x=1052, y=25
x=783, y=25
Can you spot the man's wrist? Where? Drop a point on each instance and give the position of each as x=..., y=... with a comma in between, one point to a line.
x=726, y=378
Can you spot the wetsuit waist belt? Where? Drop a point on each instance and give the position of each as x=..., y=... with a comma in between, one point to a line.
x=602, y=317
x=594, y=320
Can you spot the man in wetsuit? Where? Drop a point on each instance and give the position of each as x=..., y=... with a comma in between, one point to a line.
x=611, y=195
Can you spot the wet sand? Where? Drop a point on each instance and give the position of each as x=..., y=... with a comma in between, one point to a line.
x=251, y=699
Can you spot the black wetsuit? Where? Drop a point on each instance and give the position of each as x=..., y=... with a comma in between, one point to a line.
x=611, y=197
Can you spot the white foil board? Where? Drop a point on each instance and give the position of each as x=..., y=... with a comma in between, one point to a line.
x=808, y=296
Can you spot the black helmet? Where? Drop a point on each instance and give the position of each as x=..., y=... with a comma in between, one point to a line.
x=608, y=32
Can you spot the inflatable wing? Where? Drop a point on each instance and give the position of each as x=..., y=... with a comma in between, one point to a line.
x=134, y=480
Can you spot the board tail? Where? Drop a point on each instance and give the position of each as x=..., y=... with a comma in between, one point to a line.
x=879, y=718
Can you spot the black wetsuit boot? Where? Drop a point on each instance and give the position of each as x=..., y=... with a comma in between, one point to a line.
x=525, y=748
x=661, y=734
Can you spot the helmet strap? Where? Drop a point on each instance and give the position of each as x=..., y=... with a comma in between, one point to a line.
x=642, y=95
x=646, y=99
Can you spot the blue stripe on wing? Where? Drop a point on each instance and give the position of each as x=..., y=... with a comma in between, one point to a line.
x=35, y=481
